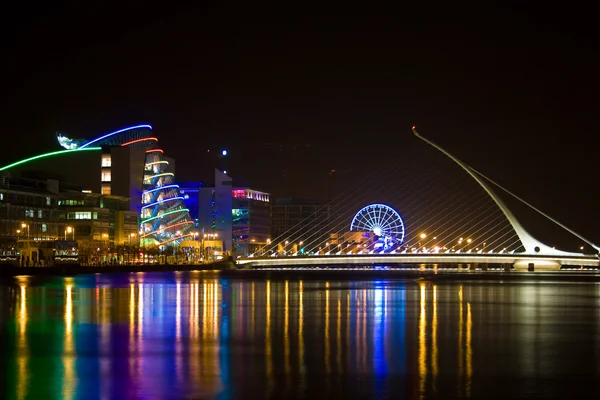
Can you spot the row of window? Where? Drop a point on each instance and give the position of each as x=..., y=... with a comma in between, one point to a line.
x=71, y=202
x=82, y=215
x=22, y=198
x=32, y=213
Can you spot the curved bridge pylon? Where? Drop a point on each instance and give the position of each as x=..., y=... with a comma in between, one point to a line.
x=531, y=244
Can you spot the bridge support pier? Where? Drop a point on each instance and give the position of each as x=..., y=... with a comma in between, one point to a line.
x=540, y=265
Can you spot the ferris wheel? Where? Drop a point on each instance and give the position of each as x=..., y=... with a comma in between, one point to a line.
x=381, y=220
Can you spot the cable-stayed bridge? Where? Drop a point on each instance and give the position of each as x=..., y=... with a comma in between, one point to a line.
x=427, y=208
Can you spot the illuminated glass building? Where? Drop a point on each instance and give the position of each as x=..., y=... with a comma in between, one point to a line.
x=126, y=163
x=251, y=220
x=239, y=216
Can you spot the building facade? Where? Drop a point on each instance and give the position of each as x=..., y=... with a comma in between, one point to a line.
x=251, y=220
x=126, y=164
x=29, y=208
x=239, y=217
x=39, y=215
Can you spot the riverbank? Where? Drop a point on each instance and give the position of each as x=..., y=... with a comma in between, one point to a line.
x=70, y=270
x=425, y=274
x=227, y=269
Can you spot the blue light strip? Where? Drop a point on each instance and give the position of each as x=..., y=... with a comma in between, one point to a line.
x=114, y=133
x=162, y=201
x=161, y=188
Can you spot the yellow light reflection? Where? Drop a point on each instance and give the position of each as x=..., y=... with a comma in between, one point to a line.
x=178, y=341
x=140, y=309
x=207, y=348
x=193, y=323
x=68, y=358
x=301, y=327
x=422, y=343
x=23, y=309
x=460, y=339
x=132, y=313
x=215, y=311
x=286, y=336
x=140, y=329
x=22, y=350
x=215, y=332
x=469, y=352
x=434, y=345
x=269, y=361
x=327, y=354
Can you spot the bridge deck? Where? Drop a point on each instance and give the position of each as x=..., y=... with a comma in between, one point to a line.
x=435, y=258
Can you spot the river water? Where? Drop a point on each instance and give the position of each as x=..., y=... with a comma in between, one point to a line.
x=200, y=335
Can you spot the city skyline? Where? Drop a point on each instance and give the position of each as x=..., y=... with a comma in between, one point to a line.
x=295, y=98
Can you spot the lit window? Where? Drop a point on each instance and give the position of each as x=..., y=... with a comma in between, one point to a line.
x=106, y=160
x=48, y=201
x=80, y=215
x=105, y=191
x=1, y=196
x=106, y=176
x=40, y=214
x=44, y=228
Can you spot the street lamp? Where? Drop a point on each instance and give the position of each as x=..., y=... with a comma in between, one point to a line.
x=24, y=225
x=422, y=236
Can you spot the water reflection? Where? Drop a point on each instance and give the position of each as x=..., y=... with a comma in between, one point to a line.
x=68, y=354
x=197, y=335
x=22, y=350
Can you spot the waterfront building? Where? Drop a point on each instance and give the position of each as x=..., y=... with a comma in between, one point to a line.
x=238, y=216
x=128, y=165
x=29, y=208
x=251, y=220
x=36, y=214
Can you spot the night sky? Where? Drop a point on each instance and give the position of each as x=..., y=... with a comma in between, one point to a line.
x=293, y=94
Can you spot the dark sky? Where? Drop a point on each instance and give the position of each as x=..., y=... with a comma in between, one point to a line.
x=294, y=93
